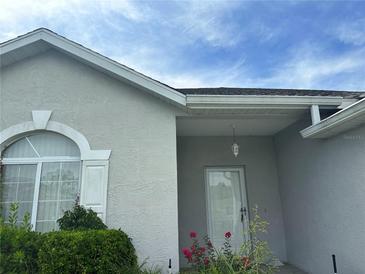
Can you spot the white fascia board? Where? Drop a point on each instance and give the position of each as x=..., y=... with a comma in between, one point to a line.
x=336, y=120
x=97, y=60
x=259, y=101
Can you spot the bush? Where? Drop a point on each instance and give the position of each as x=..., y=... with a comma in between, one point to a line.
x=18, y=250
x=91, y=251
x=79, y=218
x=77, y=249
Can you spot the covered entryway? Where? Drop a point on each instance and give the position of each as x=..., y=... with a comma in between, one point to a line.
x=217, y=189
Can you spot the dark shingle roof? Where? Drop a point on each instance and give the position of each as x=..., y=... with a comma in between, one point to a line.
x=270, y=91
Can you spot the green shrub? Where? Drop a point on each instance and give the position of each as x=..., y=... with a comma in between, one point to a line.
x=90, y=251
x=18, y=250
x=79, y=218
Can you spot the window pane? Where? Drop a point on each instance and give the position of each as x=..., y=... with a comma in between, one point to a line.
x=48, y=191
x=46, y=226
x=27, y=173
x=64, y=206
x=59, y=186
x=69, y=190
x=47, y=211
x=70, y=171
x=18, y=186
x=51, y=172
x=11, y=173
x=9, y=192
x=46, y=144
x=20, y=149
x=53, y=144
x=25, y=192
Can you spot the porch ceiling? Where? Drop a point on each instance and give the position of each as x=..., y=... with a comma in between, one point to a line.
x=247, y=123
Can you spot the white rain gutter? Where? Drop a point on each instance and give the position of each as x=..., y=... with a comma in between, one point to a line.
x=343, y=120
x=260, y=101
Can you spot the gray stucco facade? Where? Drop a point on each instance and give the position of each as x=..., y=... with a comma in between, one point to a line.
x=137, y=127
x=322, y=189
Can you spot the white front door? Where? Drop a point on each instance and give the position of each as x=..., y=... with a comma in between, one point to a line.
x=226, y=205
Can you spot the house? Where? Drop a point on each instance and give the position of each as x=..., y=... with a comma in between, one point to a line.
x=158, y=162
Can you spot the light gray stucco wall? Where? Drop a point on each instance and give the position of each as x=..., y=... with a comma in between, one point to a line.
x=322, y=186
x=139, y=129
x=257, y=155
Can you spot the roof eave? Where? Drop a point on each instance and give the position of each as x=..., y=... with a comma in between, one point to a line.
x=341, y=121
x=259, y=101
x=97, y=60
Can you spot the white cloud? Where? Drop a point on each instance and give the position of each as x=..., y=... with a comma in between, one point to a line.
x=351, y=32
x=311, y=67
x=207, y=21
x=155, y=43
x=75, y=16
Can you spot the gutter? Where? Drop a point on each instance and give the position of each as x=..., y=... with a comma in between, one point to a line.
x=343, y=120
x=260, y=101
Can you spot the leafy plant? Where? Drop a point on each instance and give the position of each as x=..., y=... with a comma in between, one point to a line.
x=13, y=214
x=87, y=251
x=254, y=256
x=26, y=222
x=77, y=249
x=18, y=250
x=80, y=218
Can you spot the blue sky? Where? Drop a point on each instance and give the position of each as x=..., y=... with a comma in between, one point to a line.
x=272, y=44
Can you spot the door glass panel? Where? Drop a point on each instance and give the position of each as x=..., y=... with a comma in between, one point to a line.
x=18, y=183
x=224, y=206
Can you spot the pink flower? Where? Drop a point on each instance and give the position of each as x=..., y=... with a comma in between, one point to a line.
x=228, y=234
x=187, y=253
x=193, y=234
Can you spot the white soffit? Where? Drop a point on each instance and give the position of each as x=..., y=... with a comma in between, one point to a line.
x=96, y=60
x=222, y=126
x=346, y=119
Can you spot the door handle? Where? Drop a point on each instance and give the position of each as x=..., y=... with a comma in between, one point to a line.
x=243, y=213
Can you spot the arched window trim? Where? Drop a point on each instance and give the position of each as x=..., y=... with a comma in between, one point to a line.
x=35, y=160
x=8, y=135
x=95, y=163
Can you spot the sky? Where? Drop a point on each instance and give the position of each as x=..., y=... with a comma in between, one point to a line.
x=257, y=44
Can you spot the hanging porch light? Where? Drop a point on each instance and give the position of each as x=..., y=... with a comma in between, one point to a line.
x=235, y=147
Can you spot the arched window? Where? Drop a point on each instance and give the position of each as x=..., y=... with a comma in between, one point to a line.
x=41, y=172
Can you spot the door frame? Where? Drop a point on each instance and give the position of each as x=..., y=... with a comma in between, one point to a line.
x=243, y=195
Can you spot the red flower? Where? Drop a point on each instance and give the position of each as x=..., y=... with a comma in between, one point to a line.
x=187, y=253
x=206, y=261
x=202, y=249
x=193, y=234
x=228, y=234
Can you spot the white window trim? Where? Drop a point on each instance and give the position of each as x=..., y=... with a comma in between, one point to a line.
x=88, y=156
x=8, y=135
